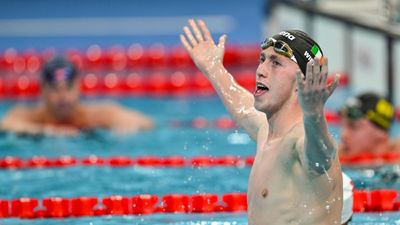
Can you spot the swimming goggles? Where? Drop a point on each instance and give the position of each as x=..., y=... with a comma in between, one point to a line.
x=351, y=112
x=280, y=47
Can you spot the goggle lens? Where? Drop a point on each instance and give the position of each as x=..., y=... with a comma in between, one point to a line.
x=279, y=47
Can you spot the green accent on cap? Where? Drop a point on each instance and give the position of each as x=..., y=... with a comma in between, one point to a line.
x=315, y=50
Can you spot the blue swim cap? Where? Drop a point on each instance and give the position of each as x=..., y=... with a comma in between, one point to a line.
x=58, y=69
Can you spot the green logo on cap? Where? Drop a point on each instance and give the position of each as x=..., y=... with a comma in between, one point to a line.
x=315, y=51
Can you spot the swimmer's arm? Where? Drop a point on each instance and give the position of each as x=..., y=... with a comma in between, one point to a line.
x=317, y=149
x=237, y=100
x=209, y=57
x=123, y=120
x=18, y=121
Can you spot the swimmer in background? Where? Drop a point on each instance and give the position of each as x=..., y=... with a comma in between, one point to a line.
x=296, y=176
x=366, y=122
x=61, y=112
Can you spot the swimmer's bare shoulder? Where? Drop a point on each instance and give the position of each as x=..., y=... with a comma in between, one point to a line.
x=113, y=116
x=298, y=136
x=97, y=114
x=23, y=111
x=22, y=118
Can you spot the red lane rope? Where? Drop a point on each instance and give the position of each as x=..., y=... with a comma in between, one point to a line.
x=57, y=207
x=119, y=58
x=11, y=162
x=383, y=200
x=179, y=82
x=133, y=71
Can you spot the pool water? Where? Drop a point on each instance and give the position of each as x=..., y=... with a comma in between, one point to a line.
x=165, y=140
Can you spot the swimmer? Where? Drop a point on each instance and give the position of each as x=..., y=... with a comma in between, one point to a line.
x=61, y=112
x=296, y=176
x=366, y=122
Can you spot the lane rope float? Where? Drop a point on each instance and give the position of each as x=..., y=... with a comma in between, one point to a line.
x=383, y=200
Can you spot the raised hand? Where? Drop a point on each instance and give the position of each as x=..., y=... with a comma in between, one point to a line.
x=313, y=92
x=201, y=47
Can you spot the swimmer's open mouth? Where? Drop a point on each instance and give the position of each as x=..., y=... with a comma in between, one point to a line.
x=260, y=89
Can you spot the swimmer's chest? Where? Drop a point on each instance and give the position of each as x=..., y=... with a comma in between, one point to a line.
x=270, y=180
x=273, y=160
x=277, y=154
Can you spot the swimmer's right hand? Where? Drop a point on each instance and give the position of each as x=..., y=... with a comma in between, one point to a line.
x=201, y=47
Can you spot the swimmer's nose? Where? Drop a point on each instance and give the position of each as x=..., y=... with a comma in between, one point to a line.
x=261, y=75
x=261, y=72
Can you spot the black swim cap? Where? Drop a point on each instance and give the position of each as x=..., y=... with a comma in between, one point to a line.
x=58, y=69
x=375, y=108
x=303, y=46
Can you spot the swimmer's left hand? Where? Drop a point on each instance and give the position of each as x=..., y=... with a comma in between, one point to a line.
x=313, y=91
